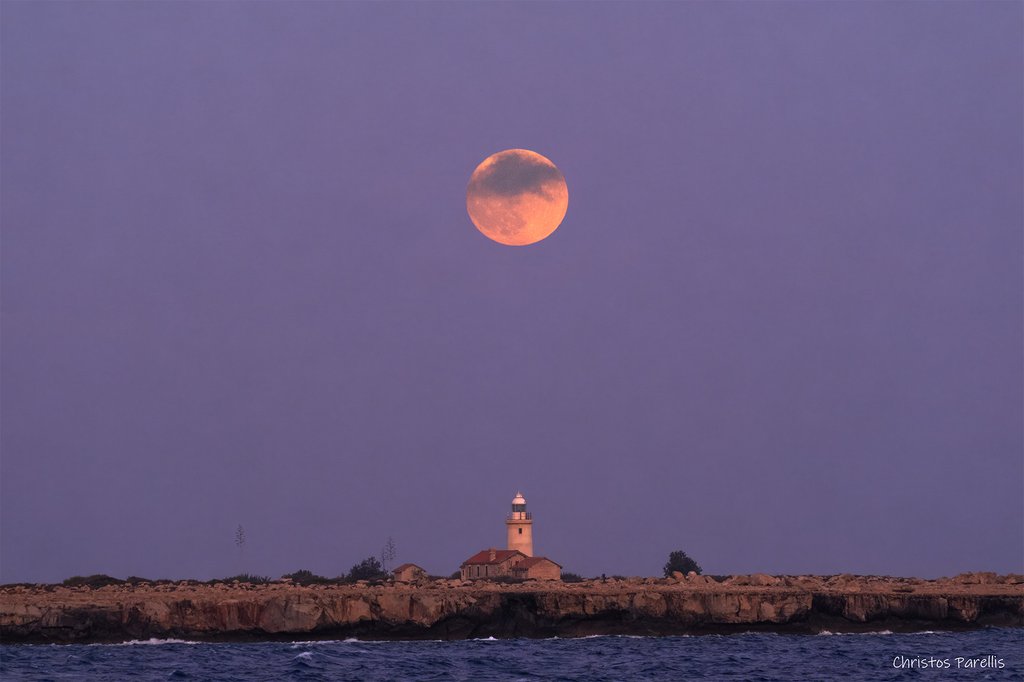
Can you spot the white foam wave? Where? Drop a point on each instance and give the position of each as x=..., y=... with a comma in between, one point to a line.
x=829, y=633
x=153, y=641
x=305, y=654
x=619, y=637
x=313, y=642
x=321, y=642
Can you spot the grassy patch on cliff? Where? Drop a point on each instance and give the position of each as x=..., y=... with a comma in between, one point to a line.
x=97, y=580
x=248, y=578
x=304, y=577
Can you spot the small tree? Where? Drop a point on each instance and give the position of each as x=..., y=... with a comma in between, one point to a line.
x=240, y=544
x=367, y=569
x=388, y=553
x=678, y=561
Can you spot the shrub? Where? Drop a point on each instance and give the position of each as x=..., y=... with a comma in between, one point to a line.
x=304, y=577
x=505, y=579
x=135, y=580
x=92, y=581
x=678, y=561
x=248, y=578
x=571, y=578
x=457, y=575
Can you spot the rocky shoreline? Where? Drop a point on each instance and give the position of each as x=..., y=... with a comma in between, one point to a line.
x=453, y=609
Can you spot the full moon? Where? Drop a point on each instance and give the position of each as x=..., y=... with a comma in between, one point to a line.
x=517, y=197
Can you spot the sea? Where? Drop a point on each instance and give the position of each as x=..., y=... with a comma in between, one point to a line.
x=991, y=654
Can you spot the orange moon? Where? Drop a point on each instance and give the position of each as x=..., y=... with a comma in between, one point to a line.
x=517, y=197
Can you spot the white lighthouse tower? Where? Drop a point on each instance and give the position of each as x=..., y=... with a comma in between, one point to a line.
x=520, y=526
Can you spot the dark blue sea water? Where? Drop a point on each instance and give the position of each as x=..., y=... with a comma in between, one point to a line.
x=735, y=657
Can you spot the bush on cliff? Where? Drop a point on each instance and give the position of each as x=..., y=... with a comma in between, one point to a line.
x=505, y=579
x=678, y=561
x=304, y=577
x=248, y=578
x=367, y=569
x=98, y=580
x=571, y=578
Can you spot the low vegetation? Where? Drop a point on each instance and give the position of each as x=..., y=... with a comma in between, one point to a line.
x=368, y=569
x=248, y=578
x=98, y=580
x=304, y=577
x=505, y=579
x=679, y=561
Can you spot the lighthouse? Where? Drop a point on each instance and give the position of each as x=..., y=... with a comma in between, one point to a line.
x=517, y=561
x=520, y=526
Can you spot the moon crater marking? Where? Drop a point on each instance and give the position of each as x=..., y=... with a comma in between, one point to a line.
x=517, y=197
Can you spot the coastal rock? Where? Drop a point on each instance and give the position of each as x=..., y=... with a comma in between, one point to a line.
x=984, y=578
x=699, y=580
x=762, y=579
x=451, y=609
x=757, y=580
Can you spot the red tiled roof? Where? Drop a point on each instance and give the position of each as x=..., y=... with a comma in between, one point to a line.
x=484, y=556
x=533, y=561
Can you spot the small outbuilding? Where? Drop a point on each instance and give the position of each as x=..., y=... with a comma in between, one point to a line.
x=537, y=568
x=407, y=573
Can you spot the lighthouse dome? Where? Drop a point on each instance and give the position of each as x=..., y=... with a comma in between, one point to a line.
x=519, y=499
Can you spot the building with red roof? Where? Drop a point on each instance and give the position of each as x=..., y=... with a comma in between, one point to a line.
x=491, y=563
x=537, y=568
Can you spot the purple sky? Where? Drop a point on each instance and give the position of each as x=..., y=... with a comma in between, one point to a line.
x=780, y=327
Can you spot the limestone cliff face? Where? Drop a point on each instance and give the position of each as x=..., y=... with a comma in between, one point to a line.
x=450, y=609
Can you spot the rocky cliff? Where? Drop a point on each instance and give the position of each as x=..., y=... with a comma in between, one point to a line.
x=446, y=609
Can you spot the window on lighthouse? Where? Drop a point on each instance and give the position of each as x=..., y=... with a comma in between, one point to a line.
x=520, y=531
